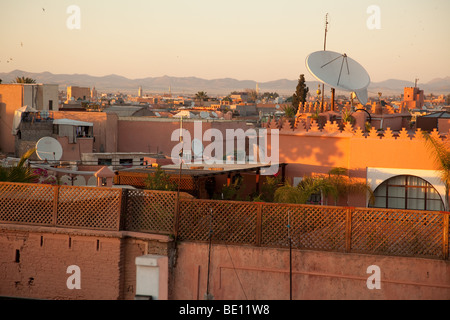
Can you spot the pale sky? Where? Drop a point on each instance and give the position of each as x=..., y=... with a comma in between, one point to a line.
x=261, y=40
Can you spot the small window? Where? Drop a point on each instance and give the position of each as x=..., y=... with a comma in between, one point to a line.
x=126, y=162
x=104, y=162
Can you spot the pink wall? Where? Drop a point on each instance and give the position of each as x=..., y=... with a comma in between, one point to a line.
x=73, y=151
x=250, y=273
x=108, y=270
x=154, y=135
x=105, y=127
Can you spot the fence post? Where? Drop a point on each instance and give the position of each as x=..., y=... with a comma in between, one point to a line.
x=123, y=209
x=176, y=220
x=445, y=238
x=348, y=229
x=55, y=204
x=259, y=225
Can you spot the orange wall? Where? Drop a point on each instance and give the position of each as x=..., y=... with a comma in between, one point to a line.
x=308, y=154
x=12, y=93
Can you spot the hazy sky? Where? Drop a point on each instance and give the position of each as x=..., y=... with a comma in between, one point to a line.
x=259, y=40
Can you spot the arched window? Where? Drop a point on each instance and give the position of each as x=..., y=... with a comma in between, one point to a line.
x=408, y=192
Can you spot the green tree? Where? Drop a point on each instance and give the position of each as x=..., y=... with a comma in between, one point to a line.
x=20, y=173
x=289, y=111
x=301, y=92
x=268, y=189
x=344, y=185
x=252, y=94
x=270, y=95
x=441, y=154
x=235, y=191
x=23, y=80
x=337, y=184
x=289, y=194
x=201, y=96
x=159, y=180
x=227, y=98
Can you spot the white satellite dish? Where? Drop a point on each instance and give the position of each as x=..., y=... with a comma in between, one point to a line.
x=204, y=115
x=277, y=107
x=197, y=148
x=214, y=114
x=339, y=71
x=49, y=149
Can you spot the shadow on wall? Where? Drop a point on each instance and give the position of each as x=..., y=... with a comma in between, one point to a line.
x=319, y=151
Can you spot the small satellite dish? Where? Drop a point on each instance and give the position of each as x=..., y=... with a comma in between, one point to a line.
x=214, y=114
x=197, y=148
x=339, y=71
x=49, y=149
x=277, y=107
x=204, y=115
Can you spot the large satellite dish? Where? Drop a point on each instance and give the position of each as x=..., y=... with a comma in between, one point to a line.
x=339, y=71
x=49, y=149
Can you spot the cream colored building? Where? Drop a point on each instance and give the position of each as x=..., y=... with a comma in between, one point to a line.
x=76, y=93
x=42, y=97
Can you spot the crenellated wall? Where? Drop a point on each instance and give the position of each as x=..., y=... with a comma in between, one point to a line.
x=307, y=149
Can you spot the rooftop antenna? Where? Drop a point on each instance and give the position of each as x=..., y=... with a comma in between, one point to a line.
x=415, y=86
x=326, y=31
x=324, y=49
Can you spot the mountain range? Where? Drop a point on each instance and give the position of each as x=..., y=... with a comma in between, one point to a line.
x=191, y=85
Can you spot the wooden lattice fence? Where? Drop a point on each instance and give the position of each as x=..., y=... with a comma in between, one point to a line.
x=340, y=229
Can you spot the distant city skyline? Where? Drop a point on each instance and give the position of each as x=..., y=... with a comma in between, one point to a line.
x=245, y=40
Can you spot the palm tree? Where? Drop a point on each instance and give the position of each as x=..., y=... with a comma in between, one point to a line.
x=201, y=96
x=19, y=173
x=441, y=153
x=344, y=185
x=289, y=194
x=23, y=80
x=336, y=184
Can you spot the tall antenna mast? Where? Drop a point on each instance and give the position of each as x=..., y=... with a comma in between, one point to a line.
x=326, y=31
x=324, y=49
